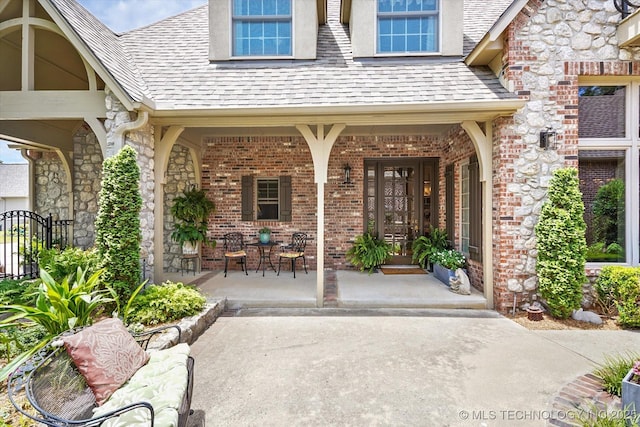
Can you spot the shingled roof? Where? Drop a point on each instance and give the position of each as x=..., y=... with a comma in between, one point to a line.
x=168, y=62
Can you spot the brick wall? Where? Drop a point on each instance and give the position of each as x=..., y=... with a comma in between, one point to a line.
x=227, y=159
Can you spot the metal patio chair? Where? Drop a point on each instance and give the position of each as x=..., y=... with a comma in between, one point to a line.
x=294, y=251
x=234, y=248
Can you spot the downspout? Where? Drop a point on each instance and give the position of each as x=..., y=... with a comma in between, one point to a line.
x=118, y=133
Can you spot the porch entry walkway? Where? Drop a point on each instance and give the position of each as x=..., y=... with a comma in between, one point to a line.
x=351, y=289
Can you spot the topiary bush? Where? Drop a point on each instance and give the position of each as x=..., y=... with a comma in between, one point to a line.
x=618, y=292
x=118, y=233
x=165, y=303
x=562, y=245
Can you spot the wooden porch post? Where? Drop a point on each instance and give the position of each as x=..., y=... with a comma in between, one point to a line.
x=320, y=146
x=483, y=144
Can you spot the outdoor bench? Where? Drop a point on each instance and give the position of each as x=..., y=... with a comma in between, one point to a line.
x=104, y=375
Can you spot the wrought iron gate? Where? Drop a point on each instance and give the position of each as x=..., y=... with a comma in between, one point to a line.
x=24, y=234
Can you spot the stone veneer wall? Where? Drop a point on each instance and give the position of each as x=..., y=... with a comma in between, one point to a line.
x=547, y=47
x=87, y=177
x=51, y=186
x=180, y=175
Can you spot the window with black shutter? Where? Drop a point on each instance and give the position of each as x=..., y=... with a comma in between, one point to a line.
x=266, y=198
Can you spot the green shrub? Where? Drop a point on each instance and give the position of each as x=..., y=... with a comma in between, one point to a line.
x=118, y=234
x=368, y=252
x=18, y=291
x=617, y=290
x=62, y=305
x=562, y=245
x=59, y=306
x=60, y=264
x=165, y=303
x=16, y=339
x=613, y=370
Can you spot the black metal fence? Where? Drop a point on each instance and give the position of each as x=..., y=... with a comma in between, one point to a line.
x=23, y=234
x=626, y=7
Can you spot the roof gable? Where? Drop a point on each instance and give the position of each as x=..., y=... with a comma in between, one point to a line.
x=112, y=61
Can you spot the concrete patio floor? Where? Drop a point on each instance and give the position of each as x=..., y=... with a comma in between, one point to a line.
x=354, y=290
x=384, y=367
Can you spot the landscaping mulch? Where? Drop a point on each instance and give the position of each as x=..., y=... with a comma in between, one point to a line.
x=550, y=323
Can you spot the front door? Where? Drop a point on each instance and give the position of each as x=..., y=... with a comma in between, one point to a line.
x=401, y=201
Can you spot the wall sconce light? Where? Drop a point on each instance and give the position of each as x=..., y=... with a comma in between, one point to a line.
x=347, y=174
x=548, y=139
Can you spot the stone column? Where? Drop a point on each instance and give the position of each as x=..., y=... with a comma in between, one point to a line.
x=127, y=128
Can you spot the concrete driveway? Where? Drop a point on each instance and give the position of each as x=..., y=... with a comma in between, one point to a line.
x=387, y=367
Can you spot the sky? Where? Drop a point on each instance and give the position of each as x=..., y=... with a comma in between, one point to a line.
x=120, y=16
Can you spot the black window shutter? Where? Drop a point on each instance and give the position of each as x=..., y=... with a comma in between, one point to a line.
x=285, y=198
x=450, y=203
x=247, y=198
x=475, y=210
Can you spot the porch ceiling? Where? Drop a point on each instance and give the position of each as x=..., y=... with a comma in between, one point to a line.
x=41, y=134
x=629, y=30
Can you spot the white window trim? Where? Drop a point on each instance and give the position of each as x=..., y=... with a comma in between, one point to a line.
x=256, y=198
x=437, y=52
x=631, y=146
x=260, y=57
x=464, y=164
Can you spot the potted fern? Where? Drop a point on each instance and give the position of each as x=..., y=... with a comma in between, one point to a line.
x=368, y=252
x=425, y=246
x=191, y=213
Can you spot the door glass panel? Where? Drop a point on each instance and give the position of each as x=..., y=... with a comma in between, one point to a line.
x=400, y=202
x=399, y=207
x=426, y=200
x=371, y=199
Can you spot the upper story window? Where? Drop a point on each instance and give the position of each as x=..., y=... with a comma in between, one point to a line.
x=408, y=26
x=262, y=28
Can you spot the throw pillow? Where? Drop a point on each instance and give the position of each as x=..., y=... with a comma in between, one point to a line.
x=106, y=355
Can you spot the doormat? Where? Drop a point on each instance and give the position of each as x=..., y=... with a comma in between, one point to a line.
x=403, y=270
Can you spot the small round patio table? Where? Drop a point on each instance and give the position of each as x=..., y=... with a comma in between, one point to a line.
x=265, y=256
